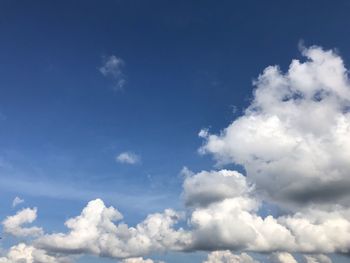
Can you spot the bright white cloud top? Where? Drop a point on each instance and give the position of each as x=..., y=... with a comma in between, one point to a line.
x=293, y=141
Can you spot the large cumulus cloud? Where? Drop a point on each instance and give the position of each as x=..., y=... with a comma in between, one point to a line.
x=96, y=232
x=293, y=140
x=234, y=222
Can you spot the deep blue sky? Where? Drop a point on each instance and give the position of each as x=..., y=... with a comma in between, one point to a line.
x=188, y=65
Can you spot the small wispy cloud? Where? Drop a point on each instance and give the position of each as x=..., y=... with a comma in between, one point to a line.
x=112, y=68
x=128, y=158
x=16, y=201
x=185, y=172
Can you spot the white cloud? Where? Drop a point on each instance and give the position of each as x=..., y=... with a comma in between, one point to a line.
x=112, y=68
x=16, y=201
x=294, y=143
x=128, y=158
x=227, y=221
x=94, y=232
x=205, y=187
x=228, y=257
x=282, y=257
x=13, y=224
x=233, y=222
x=293, y=140
x=22, y=253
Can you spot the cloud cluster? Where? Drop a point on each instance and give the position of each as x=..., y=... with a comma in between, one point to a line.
x=293, y=141
x=95, y=232
x=234, y=223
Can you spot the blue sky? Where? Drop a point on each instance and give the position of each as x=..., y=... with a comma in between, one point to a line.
x=186, y=65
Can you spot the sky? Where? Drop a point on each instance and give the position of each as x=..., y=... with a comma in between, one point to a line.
x=174, y=131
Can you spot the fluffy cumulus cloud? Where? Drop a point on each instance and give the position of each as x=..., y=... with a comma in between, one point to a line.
x=14, y=224
x=128, y=158
x=228, y=257
x=204, y=188
x=233, y=222
x=95, y=232
x=23, y=253
x=112, y=68
x=293, y=142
